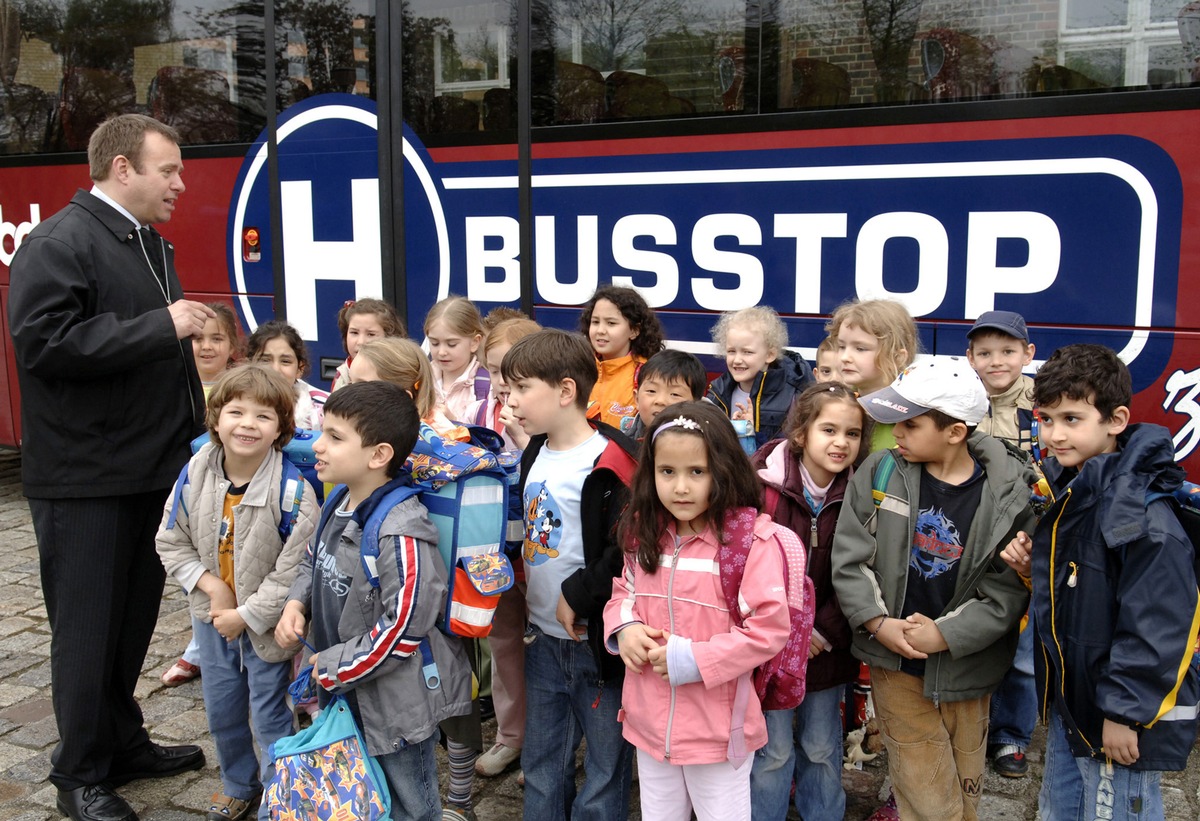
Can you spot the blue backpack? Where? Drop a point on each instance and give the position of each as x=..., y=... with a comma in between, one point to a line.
x=291, y=489
x=466, y=493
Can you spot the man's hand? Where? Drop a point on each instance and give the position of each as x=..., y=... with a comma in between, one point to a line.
x=1016, y=553
x=1120, y=743
x=923, y=634
x=291, y=625
x=189, y=317
x=229, y=623
x=566, y=617
x=636, y=641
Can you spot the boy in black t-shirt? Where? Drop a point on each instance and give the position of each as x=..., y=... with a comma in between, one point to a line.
x=916, y=570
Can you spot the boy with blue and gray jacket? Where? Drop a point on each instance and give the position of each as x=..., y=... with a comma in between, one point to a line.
x=369, y=638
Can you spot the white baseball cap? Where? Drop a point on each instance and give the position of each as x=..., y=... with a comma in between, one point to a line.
x=945, y=383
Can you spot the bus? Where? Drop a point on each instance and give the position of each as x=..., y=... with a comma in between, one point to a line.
x=1038, y=156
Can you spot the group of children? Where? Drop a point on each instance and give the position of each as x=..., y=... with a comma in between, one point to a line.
x=903, y=487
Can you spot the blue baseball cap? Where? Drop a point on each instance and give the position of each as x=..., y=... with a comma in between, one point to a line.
x=1006, y=322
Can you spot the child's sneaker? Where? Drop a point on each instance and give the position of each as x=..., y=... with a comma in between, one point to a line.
x=1009, y=761
x=181, y=672
x=496, y=760
x=454, y=812
x=224, y=808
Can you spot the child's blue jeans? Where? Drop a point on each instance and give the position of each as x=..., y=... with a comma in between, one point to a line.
x=804, y=744
x=564, y=704
x=240, y=689
x=1091, y=788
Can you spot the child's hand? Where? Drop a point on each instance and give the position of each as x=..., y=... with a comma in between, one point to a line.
x=818, y=645
x=891, y=634
x=219, y=594
x=229, y=623
x=291, y=625
x=635, y=642
x=923, y=633
x=741, y=410
x=1016, y=554
x=313, y=661
x=519, y=437
x=1120, y=743
x=565, y=616
x=658, y=658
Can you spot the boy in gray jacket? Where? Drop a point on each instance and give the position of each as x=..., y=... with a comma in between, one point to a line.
x=916, y=570
x=369, y=639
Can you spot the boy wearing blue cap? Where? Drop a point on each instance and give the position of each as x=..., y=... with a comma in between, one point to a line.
x=998, y=347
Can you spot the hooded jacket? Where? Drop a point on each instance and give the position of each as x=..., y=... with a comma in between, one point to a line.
x=603, y=499
x=771, y=394
x=379, y=657
x=263, y=569
x=780, y=469
x=690, y=723
x=870, y=572
x=1115, y=601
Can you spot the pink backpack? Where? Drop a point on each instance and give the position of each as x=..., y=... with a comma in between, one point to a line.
x=780, y=681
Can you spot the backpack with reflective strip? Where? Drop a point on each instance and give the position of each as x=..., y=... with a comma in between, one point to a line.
x=466, y=493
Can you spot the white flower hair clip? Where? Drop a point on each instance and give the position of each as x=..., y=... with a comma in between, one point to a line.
x=677, y=422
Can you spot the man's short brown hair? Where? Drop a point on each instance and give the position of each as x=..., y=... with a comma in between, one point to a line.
x=552, y=355
x=122, y=136
x=258, y=383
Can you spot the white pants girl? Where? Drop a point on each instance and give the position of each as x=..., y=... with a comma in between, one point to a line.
x=670, y=792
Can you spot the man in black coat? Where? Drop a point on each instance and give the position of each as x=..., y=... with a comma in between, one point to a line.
x=109, y=400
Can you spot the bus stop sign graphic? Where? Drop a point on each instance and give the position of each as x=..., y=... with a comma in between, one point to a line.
x=1068, y=231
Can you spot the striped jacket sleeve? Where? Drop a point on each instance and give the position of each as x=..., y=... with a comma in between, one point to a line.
x=410, y=605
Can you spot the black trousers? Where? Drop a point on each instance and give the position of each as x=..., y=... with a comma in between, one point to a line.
x=103, y=584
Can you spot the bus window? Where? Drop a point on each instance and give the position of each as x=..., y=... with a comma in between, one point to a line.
x=324, y=47
x=458, y=66
x=68, y=65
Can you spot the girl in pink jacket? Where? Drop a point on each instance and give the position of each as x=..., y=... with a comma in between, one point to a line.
x=688, y=685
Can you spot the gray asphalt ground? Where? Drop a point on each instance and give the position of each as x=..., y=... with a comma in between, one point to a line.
x=27, y=731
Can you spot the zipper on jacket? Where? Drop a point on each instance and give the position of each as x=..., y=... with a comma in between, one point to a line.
x=812, y=545
x=1062, y=662
x=671, y=623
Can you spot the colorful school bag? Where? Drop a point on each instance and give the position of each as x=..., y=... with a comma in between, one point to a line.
x=323, y=773
x=780, y=681
x=466, y=493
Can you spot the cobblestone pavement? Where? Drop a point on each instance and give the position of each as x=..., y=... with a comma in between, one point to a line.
x=27, y=730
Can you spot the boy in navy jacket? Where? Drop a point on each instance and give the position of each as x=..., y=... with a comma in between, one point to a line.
x=1114, y=596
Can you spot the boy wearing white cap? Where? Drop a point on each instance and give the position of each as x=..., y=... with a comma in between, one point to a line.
x=916, y=570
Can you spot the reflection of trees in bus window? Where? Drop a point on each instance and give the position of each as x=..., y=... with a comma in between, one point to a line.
x=193, y=66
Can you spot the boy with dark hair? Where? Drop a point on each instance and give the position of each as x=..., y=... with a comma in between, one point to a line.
x=220, y=538
x=574, y=485
x=1114, y=596
x=998, y=347
x=667, y=377
x=916, y=571
x=369, y=639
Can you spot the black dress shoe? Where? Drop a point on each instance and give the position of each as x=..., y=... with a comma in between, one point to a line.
x=155, y=761
x=95, y=802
